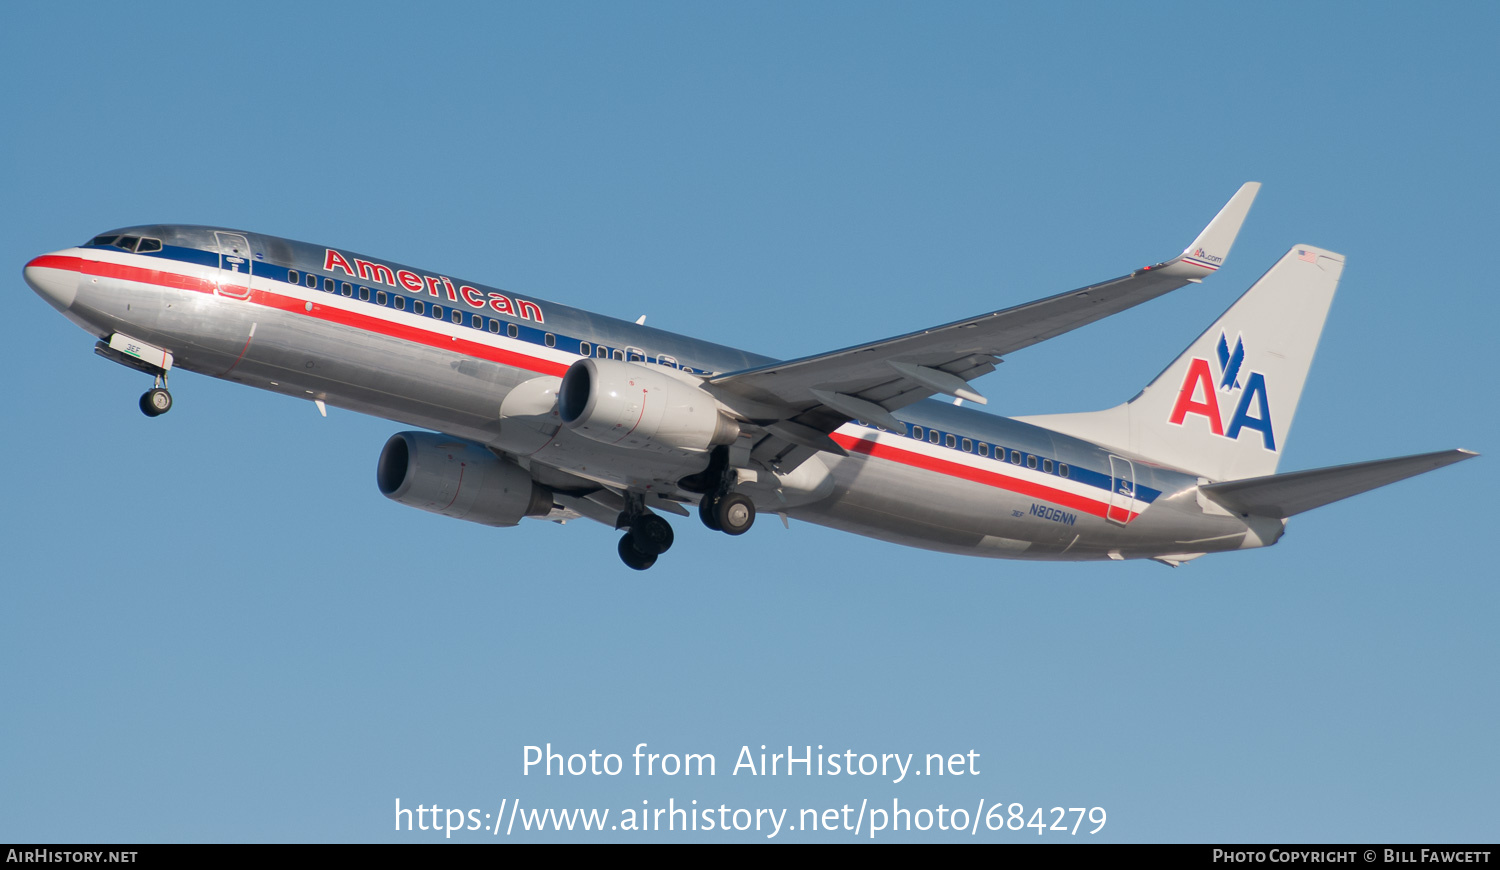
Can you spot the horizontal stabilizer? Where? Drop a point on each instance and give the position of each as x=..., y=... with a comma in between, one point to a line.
x=1283, y=495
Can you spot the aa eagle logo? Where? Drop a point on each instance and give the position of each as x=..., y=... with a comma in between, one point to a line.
x=1199, y=395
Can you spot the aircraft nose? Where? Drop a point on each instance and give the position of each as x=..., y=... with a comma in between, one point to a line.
x=52, y=281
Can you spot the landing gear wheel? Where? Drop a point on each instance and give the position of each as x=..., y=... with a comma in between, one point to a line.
x=632, y=557
x=155, y=402
x=650, y=535
x=707, y=511
x=735, y=513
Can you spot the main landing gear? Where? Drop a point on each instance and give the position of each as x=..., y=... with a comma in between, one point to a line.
x=156, y=401
x=726, y=511
x=647, y=537
x=721, y=508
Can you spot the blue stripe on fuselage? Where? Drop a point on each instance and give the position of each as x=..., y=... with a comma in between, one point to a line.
x=534, y=335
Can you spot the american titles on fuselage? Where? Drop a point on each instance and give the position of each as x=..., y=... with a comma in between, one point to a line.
x=437, y=286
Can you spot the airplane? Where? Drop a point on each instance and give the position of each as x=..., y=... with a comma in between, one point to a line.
x=534, y=409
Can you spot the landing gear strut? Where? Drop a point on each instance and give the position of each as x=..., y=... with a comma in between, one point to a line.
x=647, y=536
x=156, y=401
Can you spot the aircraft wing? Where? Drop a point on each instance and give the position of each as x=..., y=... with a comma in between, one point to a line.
x=802, y=400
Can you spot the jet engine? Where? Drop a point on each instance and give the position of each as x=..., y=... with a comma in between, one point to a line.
x=641, y=407
x=458, y=479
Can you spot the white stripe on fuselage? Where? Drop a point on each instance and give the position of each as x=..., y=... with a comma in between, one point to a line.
x=519, y=347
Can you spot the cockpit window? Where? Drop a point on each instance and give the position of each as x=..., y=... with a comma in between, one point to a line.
x=134, y=244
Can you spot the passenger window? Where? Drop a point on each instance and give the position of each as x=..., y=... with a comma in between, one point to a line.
x=984, y=449
x=1030, y=461
x=550, y=340
x=1015, y=457
x=437, y=312
x=667, y=360
x=458, y=317
x=1047, y=465
x=916, y=432
x=347, y=290
x=584, y=348
x=380, y=297
x=476, y=321
x=951, y=441
x=400, y=302
x=418, y=306
x=1062, y=468
x=293, y=276
x=512, y=330
x=364, y=294
x=312, y=282
x=637, y=356
x=495, y=326
x=602, y=352
x=968, y=446
x=328, y=285
x=933, y=435
x=619, y=355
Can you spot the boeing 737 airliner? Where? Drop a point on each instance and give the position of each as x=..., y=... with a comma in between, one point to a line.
x=540, y=410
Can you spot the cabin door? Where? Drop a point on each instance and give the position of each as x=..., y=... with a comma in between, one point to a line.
x=234, y=265
x=1121, y=490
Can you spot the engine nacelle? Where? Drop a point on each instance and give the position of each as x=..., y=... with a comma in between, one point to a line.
x=641, y=407
x=458, y=479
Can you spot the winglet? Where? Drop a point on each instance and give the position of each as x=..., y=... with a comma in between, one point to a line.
x=1209, y=251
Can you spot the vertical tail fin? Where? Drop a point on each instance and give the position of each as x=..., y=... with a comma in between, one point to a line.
x=1224, y=407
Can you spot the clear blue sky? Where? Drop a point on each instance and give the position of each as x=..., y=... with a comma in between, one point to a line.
x=212, y=627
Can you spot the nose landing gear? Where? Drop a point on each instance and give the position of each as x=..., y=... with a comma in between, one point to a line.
x=156, y=401
x=154, y=361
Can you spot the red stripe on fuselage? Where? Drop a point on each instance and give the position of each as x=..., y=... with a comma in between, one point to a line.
x=425, y=337
x=96, y=268
x=977, y=475
x=327, y=313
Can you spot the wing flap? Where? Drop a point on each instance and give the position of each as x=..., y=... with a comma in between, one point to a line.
x=1285, y=495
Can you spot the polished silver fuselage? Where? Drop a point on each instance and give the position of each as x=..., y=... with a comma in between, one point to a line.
x=319, y=323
